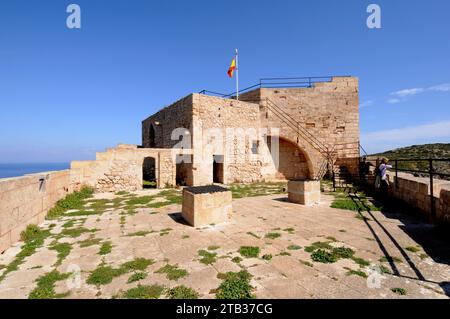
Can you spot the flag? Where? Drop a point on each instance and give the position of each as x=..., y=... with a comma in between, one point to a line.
x=232, y=68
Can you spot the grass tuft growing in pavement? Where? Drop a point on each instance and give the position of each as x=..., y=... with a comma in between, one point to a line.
x=182, y=292
x=63, y=250
x=137, y=264
x=272, y=235
x=105, y=248
x=399, y=291
x=71, y=201
x=267, y=257
x=172, y=272
x=359, y=273
x=137, y=276
x=207, y=257
x=46, y=286
x=103, y=275
x=144, y=292
x=34, y=238
x=323, y=256
x=236, y=285
x=249, y=251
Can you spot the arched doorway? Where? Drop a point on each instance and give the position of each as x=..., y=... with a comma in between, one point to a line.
x=149, y=173
x=293, y=162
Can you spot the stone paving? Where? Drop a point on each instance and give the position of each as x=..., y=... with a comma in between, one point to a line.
x=159, y=234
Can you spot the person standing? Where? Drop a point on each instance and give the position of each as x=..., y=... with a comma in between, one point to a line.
x=384, y=182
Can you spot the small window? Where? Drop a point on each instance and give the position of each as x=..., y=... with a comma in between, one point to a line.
x=255, y=146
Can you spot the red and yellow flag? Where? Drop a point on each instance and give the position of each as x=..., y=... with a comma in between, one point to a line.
x=232, y=68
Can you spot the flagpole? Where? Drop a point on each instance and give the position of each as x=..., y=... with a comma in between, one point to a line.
x=237, y=75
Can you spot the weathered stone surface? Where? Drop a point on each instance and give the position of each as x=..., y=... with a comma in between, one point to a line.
x=201, y=209
x=304, y=192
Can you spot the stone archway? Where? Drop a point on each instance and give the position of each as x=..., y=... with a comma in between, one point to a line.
x=293, y=162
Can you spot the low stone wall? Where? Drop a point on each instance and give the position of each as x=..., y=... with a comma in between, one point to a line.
x=415, y=191
x=26, y=200
x=121, y=168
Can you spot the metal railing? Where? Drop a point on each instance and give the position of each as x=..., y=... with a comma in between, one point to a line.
x=291, y=82
x=430, y=171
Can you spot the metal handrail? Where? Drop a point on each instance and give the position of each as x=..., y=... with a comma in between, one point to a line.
x=281, y=83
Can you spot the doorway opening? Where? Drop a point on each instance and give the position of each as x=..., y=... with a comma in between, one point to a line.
x=149, y=173
x=218, y=169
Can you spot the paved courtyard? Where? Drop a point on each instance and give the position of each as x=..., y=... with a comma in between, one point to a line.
x=119, y=242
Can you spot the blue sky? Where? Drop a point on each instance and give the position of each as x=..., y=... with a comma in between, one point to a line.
x=65, y=94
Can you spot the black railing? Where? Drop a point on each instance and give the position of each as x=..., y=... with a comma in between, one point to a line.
x=293, y=82
x=429, y=169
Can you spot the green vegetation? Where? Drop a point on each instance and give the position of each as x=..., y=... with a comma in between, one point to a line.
x=46, y=286
x=34, y=238
x=325, y=253
x=284, y=253
x=144, y=292
x=137, y=264
x=213, y=247
x=236, y=285
x=290, y=230
x=354, y=201
x=90, y=242
x=249, y=251
x=63, y=250
x=140, y=233
x=272, y=235
x=390, y=259
x=236, y=259
x=105, y=248
x=323, y=256
x=257, y=189
x=343, y=252
x=75, y=232
x=359, y=273
x=137, y=276
x=318, y=245
x=294, y=247
x=121, y=193
x=207, y=257
x=103, y=275
x=306, y=263
x=71, y=201
x=164, y=231
x=172, y=272
x=385, y=270
x=399, y=291
x=181, y=292
x=413, y=249
x=438, y=150
x=267, y=257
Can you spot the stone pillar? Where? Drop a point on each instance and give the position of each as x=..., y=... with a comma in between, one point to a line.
x=205, y=205
x=305, y=192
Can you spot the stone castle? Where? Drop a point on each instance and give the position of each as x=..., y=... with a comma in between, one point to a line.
x=316, y=128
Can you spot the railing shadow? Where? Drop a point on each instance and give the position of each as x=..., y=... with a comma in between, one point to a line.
x=422, y=233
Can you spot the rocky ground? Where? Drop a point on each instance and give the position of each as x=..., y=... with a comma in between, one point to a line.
x=136, y=246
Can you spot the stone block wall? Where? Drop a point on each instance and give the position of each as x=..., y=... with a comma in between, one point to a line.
x=329, y=111
x=415, y=191
x=121, y=168
x=26, y=200
x=176, y=115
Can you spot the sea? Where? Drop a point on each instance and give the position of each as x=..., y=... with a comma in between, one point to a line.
x=20, y=169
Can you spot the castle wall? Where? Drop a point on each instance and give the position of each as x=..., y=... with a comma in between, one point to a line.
x=27, y=199
x=121, y=169
x=225, y=115
x=328, y=111
x=164, y=122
